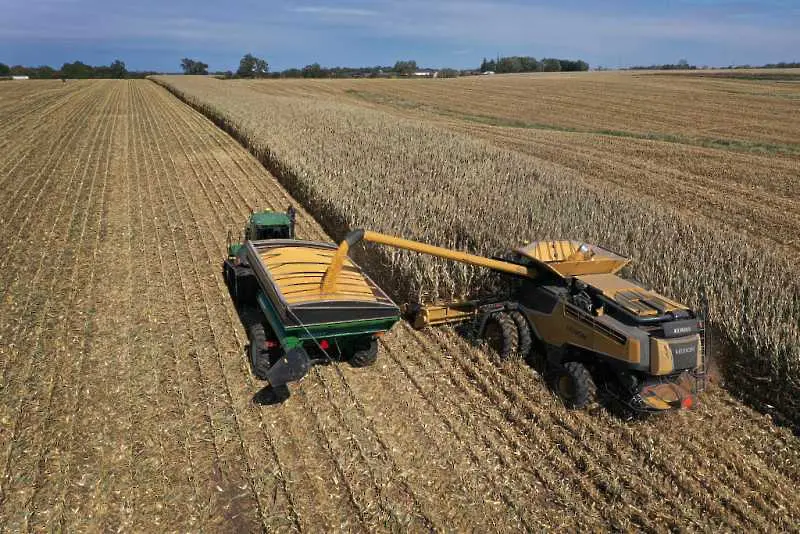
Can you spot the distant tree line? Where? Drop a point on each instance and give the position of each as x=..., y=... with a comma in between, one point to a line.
x=680, y=65
x=77, y=69
x=503, y=65
x=781, y=65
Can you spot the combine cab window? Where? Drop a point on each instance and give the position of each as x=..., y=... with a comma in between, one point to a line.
x=271, y=232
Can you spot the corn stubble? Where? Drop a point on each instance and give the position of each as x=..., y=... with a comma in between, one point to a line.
x=354, y=167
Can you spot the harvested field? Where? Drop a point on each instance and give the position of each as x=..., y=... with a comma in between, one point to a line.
x=126, y=401
x=412, y=174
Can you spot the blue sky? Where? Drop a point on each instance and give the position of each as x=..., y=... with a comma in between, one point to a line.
x=152, y=34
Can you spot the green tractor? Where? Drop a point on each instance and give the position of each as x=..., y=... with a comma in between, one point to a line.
x=266, y=224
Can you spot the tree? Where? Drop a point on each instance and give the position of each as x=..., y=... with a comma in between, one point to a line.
x=292, y=73
x=117, y=69
x=5, y=70
x=78, y=69
x=251, y=66
x=191, y=66
x=405, y=68
x=551, y=65
x=313, y=71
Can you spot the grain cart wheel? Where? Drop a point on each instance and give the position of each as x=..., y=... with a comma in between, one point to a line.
x=574, y=384
x=365, y=355
x=259, y=356
x=501, y=334
x=524, y=333
x=230, y=281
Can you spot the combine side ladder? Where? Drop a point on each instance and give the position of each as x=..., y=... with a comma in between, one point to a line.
x=701, y=374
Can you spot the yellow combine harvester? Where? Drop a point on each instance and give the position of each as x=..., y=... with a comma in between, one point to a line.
x=586, y=324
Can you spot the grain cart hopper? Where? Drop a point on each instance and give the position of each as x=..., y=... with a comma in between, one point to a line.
x=586, y=324
x=292, y=323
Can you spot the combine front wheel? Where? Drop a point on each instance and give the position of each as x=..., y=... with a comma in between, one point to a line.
x=524, y=333
x=501, y=334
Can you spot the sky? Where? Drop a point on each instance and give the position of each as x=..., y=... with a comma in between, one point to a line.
x=156, y=34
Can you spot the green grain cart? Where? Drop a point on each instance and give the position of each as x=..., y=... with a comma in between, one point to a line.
x=276, y=282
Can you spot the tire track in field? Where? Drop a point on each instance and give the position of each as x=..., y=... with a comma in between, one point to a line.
x=73, y=319
x=37, y=309
x=412, y=474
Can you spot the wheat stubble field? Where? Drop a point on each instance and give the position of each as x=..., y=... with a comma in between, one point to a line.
x=126, y=402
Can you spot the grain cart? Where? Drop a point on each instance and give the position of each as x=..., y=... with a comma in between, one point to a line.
x=586, y=324
x=292, y=322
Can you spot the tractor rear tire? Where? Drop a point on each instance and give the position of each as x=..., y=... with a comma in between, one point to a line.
x=366, y=356
x=259, y=356
x=523, y=332
x=502, y=335
x=573, y=383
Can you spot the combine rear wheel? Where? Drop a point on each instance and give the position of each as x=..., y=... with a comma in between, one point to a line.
x=259, y=356
x=366, y=356
x=574, y=384
x=502, y=335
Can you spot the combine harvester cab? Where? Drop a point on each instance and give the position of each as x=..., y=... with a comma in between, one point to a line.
x=292, y=321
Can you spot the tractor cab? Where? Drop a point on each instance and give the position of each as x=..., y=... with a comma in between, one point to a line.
x=266, y=224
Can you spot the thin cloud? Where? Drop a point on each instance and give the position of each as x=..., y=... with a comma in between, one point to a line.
x=334, y=11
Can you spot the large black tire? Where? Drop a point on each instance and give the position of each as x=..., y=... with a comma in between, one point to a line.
x=523, y=332
x=259, y=356
x=502, y=335
x=230, y=280
x=365, y=356
x=573, y=383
